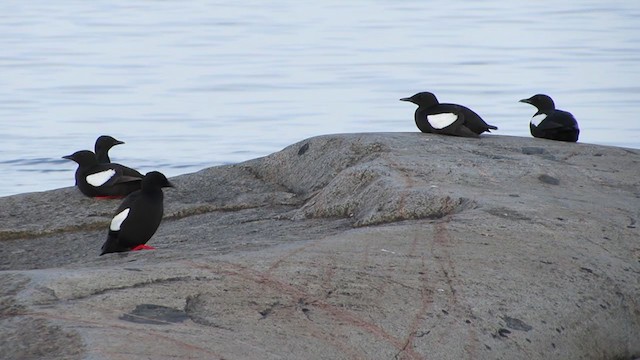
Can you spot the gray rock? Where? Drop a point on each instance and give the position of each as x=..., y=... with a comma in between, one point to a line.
x=385, y=245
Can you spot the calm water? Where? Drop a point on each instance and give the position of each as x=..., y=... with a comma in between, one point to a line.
x=194, y=84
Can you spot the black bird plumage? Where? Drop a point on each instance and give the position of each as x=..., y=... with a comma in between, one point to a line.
x=103, y=180
x=555, y=124
x=443, y=118
x=104, y=143
x=139, y=215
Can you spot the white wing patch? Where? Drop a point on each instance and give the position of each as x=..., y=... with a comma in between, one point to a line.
x=117, y=220
x=536, y=120
x=441, y=121
x=99, y=178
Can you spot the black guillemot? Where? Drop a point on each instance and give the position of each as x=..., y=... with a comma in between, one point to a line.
x=449, y=119
x=138, y=217
x=103, y=180
x=551, y=123
x=103, y=144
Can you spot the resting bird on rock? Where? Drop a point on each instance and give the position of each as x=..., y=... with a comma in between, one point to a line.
x=448, y=119
x=551, y=123
x=103, y=180
x=138, y=217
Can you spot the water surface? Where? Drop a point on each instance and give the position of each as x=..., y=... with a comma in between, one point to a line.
x=194, y=84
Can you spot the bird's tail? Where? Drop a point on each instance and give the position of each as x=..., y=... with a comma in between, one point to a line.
x=111, y=245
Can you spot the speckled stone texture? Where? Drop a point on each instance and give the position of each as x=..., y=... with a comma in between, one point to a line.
x=348, y=246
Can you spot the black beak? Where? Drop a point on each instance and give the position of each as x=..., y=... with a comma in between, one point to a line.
x=118, y=142
x=526, y=101
x=405, y=99
x=68, y=157
x=170, y=185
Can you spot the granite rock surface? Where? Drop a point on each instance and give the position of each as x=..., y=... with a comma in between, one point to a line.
x=348, y=246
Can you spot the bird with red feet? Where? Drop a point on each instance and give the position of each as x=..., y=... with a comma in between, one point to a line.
x=138, y=217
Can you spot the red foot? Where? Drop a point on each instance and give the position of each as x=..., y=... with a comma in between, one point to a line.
x=143, y=247
x=109, y=197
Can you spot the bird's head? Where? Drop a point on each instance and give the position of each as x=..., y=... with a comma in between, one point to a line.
x=425, y=99
x=155, y=180
x=106, y=142
x=543, y=102
x=82, y=157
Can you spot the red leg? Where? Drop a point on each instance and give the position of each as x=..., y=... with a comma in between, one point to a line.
x=109, y=197
x=143, y=247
